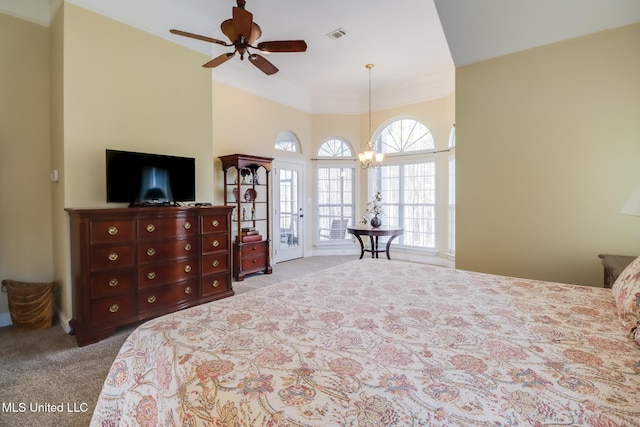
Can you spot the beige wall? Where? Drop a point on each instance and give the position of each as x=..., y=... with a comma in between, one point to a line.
x=25, y=188
x=548, y=152
x=128, y=90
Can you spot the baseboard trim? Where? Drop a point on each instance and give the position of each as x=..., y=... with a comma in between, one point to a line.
x=5, y=319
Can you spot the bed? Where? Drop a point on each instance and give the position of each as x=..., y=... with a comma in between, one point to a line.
x=383, y=343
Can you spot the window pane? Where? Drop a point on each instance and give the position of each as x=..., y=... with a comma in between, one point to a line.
x=335, y=148
x=287, y=141
x=335, y=202
x=404, y=135
x=452, y=205
x=408, y=199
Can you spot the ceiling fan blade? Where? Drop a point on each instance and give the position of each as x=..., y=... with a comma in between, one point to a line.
x=199, y=37
x=264, y=65
x=219, y=60
x=283, y=46
x=242, y=22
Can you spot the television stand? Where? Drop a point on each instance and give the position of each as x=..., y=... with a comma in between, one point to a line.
x=152, y=204
x=132, y=264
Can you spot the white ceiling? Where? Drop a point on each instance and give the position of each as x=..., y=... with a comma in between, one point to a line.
x=403, y=38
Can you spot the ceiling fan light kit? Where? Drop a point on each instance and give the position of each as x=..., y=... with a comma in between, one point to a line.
x=242, y=33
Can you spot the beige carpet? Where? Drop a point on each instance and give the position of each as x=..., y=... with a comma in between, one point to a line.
x=45, y=372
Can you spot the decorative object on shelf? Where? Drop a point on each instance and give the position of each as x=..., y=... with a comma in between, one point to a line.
x=370, y=158
x=235, y=194
x=246, y=174
x=250, y=195
x=374, y=208
x=256, y=178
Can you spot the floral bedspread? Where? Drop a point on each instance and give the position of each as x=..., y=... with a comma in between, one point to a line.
x=382, y=343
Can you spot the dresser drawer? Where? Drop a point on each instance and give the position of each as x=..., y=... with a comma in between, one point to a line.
x=152, y=251
x=111, y=283
x=112, y=309
x=108, y=257
x=108, y=231
x=215, y=243
x=256, y=263
x=253, y=249
x=214, y=223
x=215, y=284
x=158, y=228
x=167, y=272
x=167, y=296
x=215, y=263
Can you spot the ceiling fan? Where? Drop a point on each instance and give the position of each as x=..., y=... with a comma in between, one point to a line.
x=243, y=32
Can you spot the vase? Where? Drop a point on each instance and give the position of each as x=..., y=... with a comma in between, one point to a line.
x=376, y=222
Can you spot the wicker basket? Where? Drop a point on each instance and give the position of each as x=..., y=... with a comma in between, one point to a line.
x=30, y=304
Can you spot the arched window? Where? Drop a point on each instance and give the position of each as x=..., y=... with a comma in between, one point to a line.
x=335, y=148
x=287, y=141
x=407, y=183
x=335, y=192
x=402, y=135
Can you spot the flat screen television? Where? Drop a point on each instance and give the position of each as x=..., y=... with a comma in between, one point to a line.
x=143, y=179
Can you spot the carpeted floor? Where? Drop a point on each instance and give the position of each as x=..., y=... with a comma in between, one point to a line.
x=47, y=380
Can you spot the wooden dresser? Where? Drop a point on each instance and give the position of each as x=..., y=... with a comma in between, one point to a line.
x=132, y=264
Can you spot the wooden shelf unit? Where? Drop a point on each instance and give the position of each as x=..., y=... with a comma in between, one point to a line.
x=246, y=188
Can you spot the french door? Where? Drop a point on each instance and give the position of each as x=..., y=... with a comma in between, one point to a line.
x=288, y=224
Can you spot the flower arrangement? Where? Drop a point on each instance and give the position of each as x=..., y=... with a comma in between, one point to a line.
x=374, y=208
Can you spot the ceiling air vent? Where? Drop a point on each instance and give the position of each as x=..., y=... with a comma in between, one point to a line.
x=336, y=34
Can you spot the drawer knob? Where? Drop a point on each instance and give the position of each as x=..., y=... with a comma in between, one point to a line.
x=114, y=308
x=254, y=261
x=215, y=263
x=187, y=268
x=151, y=228
x=113, y=256
x=254, y=248
x=215, y=243
x=215, y=283
x=151, y=299
x=113, y=282
x=151, y=275
x=112, y=230
x=151, y=252
x=187, y=247
x=215, y=223
x=187, y=225
x=187, y=290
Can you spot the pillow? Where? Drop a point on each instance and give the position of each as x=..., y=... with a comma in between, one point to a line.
x=624, y=290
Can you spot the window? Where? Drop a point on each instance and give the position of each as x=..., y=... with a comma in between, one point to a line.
x=287, y=141
x=452, y=191
x=408, y=199
x=407, y=181
x=404, y=135
x=335, y=191
x=335, y=148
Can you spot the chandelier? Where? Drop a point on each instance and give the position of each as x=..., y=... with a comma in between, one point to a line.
x=370, y=158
